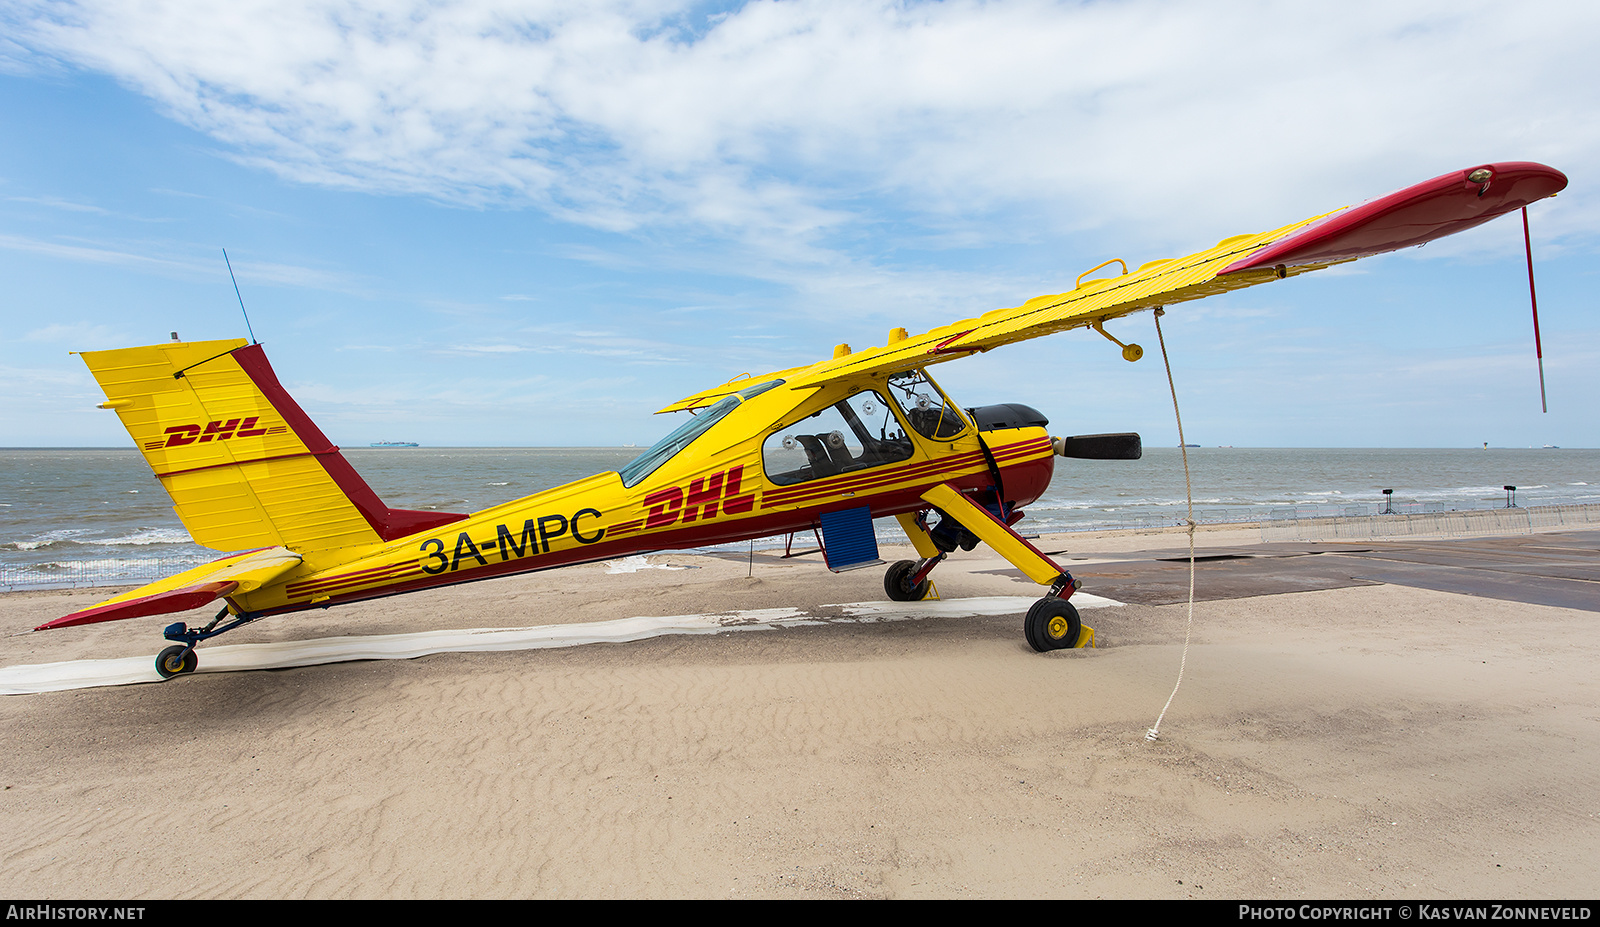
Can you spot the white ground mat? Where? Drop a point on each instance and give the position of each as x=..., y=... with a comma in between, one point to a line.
x=83, y=674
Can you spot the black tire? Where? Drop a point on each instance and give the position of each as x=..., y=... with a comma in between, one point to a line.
x=1052, y=624
x=176, y=660
x=897, y=583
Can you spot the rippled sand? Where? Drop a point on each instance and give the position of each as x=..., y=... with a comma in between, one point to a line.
x=1373, y=741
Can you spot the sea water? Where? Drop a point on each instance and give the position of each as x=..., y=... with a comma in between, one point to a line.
x=76, y=516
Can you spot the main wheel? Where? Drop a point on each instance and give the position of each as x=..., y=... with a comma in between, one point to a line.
x=897, y=583
x=1052, y=624
x=176, y=660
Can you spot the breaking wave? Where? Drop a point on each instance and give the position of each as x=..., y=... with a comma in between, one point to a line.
x=77, y=536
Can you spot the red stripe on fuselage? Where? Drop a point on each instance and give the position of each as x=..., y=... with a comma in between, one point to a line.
x=308, y=587
x=861, y=481
x=829, y=486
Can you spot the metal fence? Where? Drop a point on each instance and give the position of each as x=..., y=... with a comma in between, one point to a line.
x=81, y=573
x=1368, y=526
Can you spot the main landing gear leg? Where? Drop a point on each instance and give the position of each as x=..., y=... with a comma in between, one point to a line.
x=907, y=580
x=180, y=659
x=1052, y=622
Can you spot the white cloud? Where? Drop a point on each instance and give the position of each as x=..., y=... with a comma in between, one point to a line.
x=81, y=336
x=789, y=126
x=96, y=253
x=177, y=260
x=58, y=203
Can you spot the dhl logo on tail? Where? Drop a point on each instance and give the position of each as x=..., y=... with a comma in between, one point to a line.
x=179, y=435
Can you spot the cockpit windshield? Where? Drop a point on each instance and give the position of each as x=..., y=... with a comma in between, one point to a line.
x=684, y=435
x=925, y=406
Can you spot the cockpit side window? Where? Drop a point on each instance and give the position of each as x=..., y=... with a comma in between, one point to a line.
x=925, y=406
x=856, y=434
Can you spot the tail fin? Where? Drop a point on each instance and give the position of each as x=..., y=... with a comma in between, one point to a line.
x=244, y=465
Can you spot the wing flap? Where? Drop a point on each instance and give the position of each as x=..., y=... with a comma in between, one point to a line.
x=742, y=381
x=1156, y=283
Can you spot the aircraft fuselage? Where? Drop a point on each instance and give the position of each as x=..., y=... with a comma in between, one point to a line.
x=718, y=488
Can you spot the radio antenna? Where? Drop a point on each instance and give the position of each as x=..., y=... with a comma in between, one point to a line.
x=235, y=280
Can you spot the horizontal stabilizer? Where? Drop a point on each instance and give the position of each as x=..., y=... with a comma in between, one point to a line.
x=190, y=589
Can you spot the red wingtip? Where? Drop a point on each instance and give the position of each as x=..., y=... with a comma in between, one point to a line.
x=1447, y=204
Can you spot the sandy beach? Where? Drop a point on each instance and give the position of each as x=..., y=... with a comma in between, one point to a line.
x=1353, y=739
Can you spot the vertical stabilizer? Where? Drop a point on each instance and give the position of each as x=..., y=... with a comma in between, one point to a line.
x=245, y=466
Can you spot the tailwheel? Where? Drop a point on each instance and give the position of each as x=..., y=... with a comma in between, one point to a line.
x=176, y=661
x=1052, y=624
x=897, y=583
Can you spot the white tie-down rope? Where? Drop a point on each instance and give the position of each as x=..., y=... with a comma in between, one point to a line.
x=1188, y=489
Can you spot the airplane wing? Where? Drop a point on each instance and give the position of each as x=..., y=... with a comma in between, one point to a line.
x=236, y=573
x=1415, y=215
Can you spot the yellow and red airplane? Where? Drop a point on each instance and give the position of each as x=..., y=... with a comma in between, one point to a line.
x=826, y=447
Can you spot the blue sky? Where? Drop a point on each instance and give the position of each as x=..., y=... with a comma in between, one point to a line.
x=536, y=223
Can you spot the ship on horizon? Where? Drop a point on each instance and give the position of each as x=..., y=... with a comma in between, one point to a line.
x=394, y=444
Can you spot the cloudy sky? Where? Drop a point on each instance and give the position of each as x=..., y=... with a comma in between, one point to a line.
x=534, y=223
